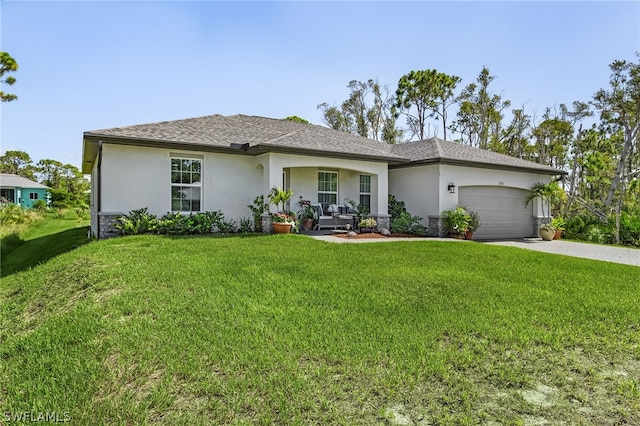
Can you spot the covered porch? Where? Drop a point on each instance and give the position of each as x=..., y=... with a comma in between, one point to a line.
x=329, y=184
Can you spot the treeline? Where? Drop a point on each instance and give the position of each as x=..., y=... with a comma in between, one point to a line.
x=596, y=141
x=69, y=188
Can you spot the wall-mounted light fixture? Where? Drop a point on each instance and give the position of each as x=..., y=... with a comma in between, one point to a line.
x=452, y=187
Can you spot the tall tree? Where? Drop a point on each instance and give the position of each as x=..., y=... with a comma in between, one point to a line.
x=515, y=137
x=67, y=183
x=580, y=112
x=425, y=94
x=553, y=137
x=619, y=106
x=479, y=119
x=49, y=172
x=17, y=163
x=7, y=64
x=369, y=112
x=335, y=118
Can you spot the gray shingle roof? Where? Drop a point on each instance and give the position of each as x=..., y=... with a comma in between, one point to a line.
x=16, y=181
x=218, y=132
x=438, y=150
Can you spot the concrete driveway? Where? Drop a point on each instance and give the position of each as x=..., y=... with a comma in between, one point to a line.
x=627, y=256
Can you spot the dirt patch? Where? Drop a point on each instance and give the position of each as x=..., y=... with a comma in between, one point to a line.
x=542, y=396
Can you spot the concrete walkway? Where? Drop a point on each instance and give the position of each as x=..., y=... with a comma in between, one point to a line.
x=626, y=256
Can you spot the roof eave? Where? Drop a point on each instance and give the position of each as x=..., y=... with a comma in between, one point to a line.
x=90, y=152
x=264, y=148
x=478, y=164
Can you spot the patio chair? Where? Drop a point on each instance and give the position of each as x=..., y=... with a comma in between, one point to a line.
x=331, y=219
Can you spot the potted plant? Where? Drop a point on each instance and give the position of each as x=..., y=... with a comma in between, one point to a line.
x=367, y=224
x=307, y=214
x=282, y=222
x=559, y=224
x=547, y=232
x=547, y=193
x=359, y=210
x=473, y=224
x=456, y=222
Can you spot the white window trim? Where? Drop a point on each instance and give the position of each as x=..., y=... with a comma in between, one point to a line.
x=177, y=156
x=360, y=188
x=337, y=192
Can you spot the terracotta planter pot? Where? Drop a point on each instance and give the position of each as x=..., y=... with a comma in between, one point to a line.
x=281, y=228
x=307, y=224
x=468, y=235
x=557, y=235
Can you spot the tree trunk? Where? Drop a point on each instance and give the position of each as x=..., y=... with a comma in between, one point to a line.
x=574, y=170
x=619, y=175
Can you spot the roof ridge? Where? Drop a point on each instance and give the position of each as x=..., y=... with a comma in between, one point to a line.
x=438, y=146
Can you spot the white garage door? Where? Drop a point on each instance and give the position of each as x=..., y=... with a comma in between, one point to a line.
x=502, y=211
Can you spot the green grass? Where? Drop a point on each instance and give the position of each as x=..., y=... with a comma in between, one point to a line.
x=43, y=240
x=290, y=330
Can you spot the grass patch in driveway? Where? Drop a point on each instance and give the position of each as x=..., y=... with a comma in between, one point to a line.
x=286, y=329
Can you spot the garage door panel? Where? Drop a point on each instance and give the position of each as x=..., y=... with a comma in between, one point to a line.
x=502, y=211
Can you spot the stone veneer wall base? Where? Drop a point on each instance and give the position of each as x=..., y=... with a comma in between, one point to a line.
x=265, y=219
x=538, y=221
x=106, y=224
x=383, y=220
x=435, y=228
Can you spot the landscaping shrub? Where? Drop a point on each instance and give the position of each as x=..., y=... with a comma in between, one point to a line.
x=142, y=222
x=396, y=207
x=577, y=227
x=15, y=219
x=257, y=208
x=405, y=223
x=629, y=229
x=137, y=222
x=246, y=225
x=587, y=227
x=40, y=206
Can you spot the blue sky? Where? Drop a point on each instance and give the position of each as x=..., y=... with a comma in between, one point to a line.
x=94, y=65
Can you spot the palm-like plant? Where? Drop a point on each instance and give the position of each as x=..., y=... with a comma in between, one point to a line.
x=548, y=193
x=279, y=196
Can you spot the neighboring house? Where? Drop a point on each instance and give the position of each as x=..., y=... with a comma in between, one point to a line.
x=223, y=162
x=19, y=190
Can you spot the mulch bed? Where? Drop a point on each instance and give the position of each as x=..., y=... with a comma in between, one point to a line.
x=374, y=235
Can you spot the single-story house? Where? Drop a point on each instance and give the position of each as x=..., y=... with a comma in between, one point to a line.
x=223, y=162
x=19, y=190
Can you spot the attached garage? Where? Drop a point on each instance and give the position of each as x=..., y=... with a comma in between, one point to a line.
x=501, y=209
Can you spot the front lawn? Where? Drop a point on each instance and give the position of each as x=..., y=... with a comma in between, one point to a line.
x=290, y=330
x=50, y=236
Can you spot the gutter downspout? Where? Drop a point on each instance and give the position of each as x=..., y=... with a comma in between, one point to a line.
x=98, y=188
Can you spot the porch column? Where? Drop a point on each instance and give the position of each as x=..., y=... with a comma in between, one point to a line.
x=380, y=206
x=272, y=177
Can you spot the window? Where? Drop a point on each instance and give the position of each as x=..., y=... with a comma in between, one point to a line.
x=186, y=188
x=365, y=191
x=327, y=188
x=33, y=195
